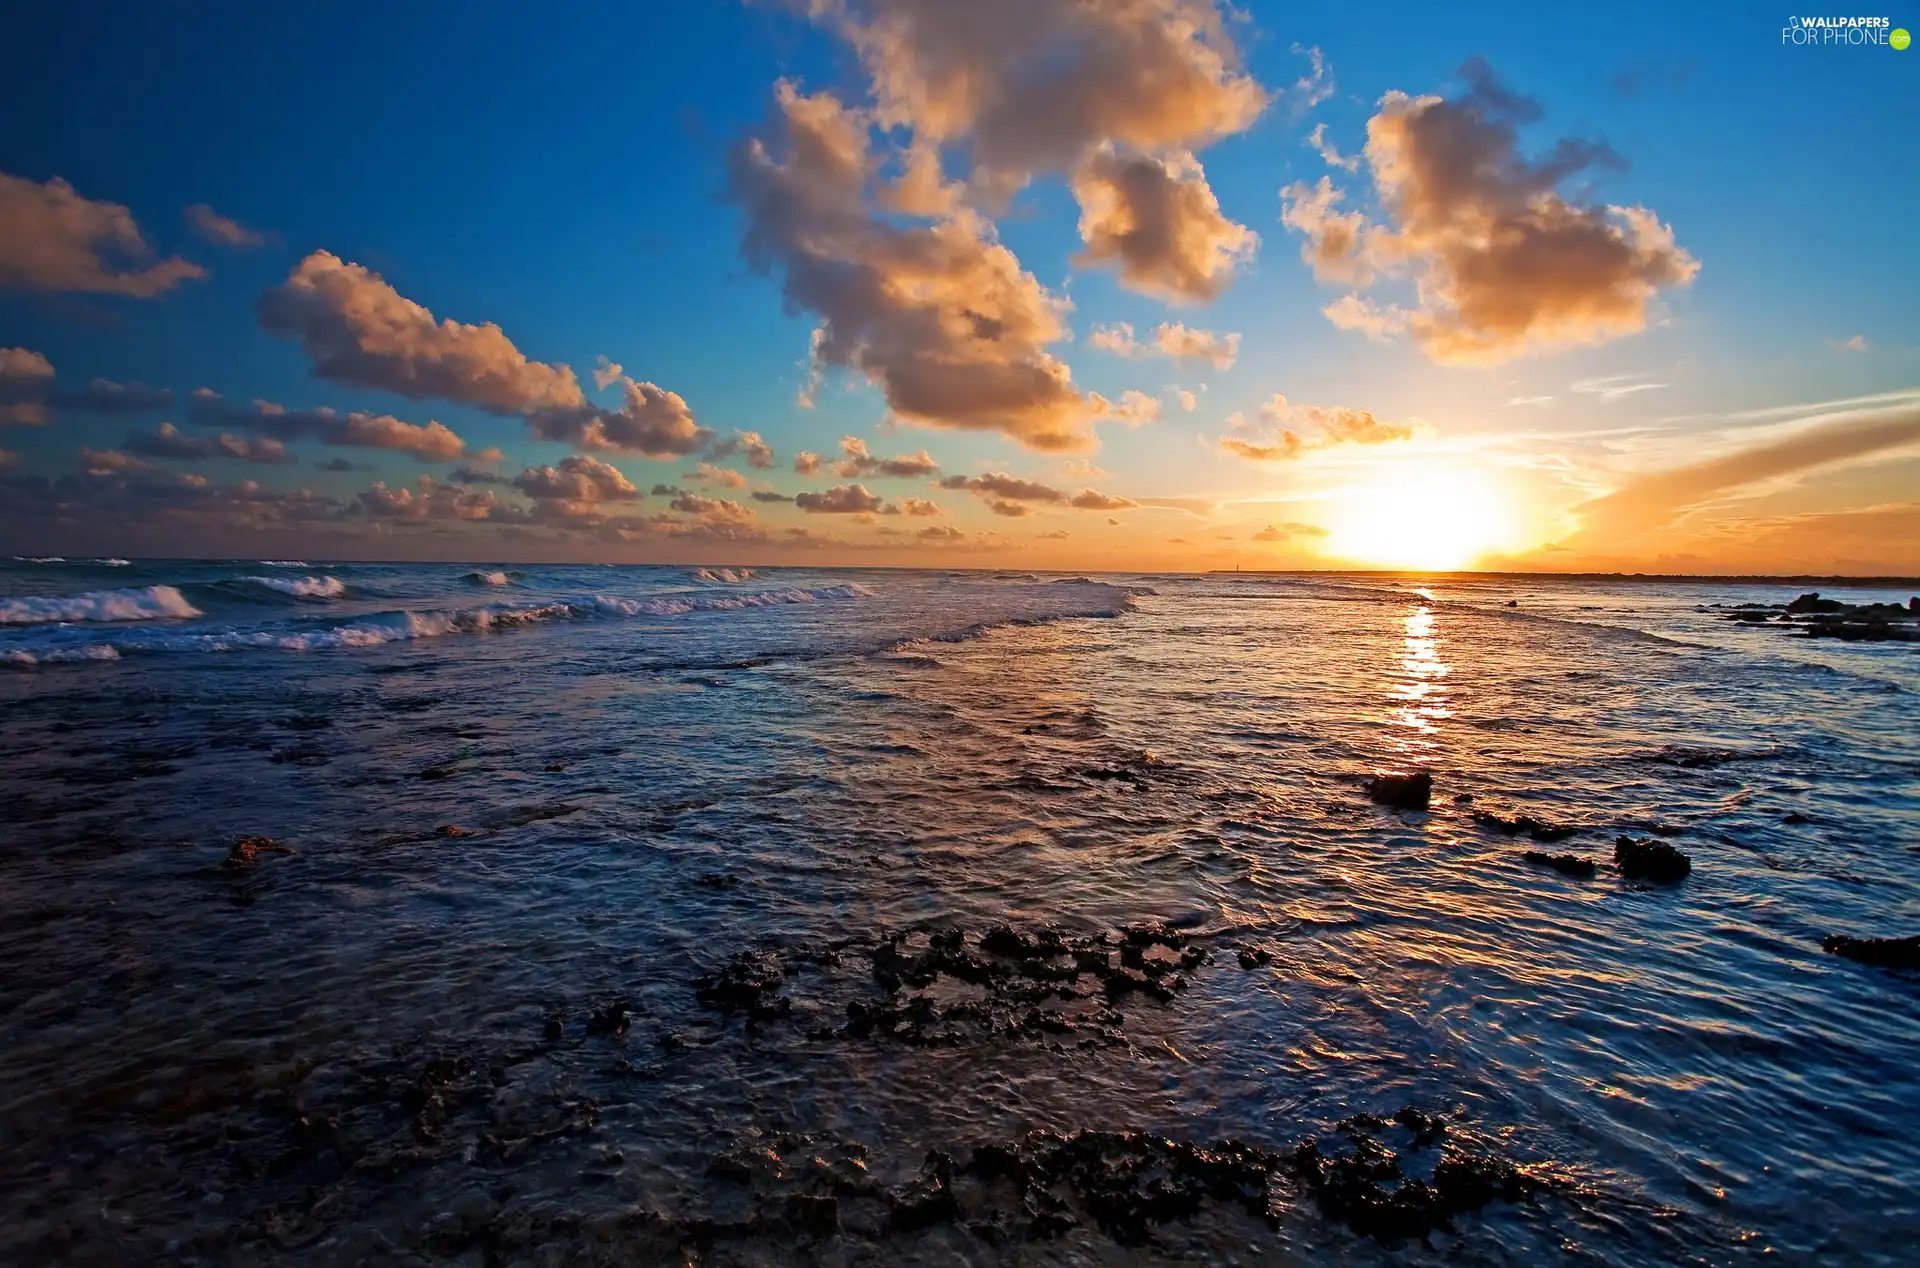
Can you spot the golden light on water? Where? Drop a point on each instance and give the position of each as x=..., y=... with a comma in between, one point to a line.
x=1420, y=516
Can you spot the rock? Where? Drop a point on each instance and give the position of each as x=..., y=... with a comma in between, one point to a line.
x=1793, y=818
x=717, y=880
x=247, y=851
x=1812, y=602
x=750, y=983
x=453, y=830
x=926, y=1199
x=1254, y=957
x=1642, y=859
x=610, y=1019
x=1565, y=864
x=1537, y=829
x=1403, y=792
x=815, y=1214
x=1883, y=953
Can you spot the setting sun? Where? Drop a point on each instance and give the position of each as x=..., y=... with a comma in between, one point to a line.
x=1420, y=517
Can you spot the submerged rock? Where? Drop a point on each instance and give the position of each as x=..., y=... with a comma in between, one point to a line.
x=247, y=851
x=748, y=983
x=1536, y=829
x=1403, y=792
x=1884, y=953
x=1642, y=859
x=1565, y=864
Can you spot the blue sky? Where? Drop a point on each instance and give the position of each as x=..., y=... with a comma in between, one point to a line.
x=564, y=175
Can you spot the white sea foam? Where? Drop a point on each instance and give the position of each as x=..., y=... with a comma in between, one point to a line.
x=489, y=578
x=281, y=563
x=302, y=587
x=143, y=604
x=723, y=576
x=58, y=655
x=112, y=563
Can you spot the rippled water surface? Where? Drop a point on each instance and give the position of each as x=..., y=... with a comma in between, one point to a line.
x=480, y=999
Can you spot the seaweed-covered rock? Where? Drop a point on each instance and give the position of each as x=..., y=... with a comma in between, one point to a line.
x=1644, y=859
x=1884, y=953
x=1565, y=864
x=1403, y=792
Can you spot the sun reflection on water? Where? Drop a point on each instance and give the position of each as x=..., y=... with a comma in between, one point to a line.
x=1419, y=699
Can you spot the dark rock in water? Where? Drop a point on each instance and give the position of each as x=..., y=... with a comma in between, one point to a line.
x=927, y=1199
x=1537, y=829
x=1641, y=859
x=748, y=983
x=453, y=830
x=1565, y=864
x=1793, y=818
x=717, y=880
x=1812, y=602
x=1883, y=953
x=247, y=851
x=1513, y=603
x=1402, y=792
x=815, y=1214
x=610, y=1019
x=1254, y=957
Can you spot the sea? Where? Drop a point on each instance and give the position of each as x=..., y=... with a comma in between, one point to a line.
x=487, y=914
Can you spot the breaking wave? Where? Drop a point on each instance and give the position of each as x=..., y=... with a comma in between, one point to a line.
x=723, y=576
x=302, y=587
x=144, y=604
x=487, y=579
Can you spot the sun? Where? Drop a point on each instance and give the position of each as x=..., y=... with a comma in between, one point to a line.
x=1424, y=516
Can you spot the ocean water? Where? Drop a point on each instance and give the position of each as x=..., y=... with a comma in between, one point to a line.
x=482, y=1000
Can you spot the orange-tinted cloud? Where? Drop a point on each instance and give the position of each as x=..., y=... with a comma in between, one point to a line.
x=223, y=230
x=1505, y=263
x=650, y=421
x=359, y=330
x=845, y=499
x=170, y=442
x=52, y=239
x=429, y=442
x=1159, y=222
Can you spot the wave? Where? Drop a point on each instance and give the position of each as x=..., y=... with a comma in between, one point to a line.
x=302, y=587
x=144, y=604
x=405, y=626
x=723, y=576
x=487, y=579
x=281, y=563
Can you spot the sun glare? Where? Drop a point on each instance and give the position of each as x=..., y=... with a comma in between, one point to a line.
x=1420, y=516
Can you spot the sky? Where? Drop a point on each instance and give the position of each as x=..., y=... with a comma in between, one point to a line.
x=1134, y=284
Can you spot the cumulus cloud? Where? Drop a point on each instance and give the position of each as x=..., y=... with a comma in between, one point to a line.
x=1377, y=322
x=1158, y=222
x=712, y=511
x=170, y=442
x=1328, y=153
x=919, y=507
x=431, y=442
x=768, y=495
x=1014, y=496
x=844, y=499
x=223, y=230
x=1336, y=425
x=52, y=240
x=578, y=480
x=1117, y=339
x=725, y=477
x=758, y=452
x=856, y=462
x=358, y=330
x=1094, y=500
x=428, y=500
x=1057, y=535
x=940, y=533
x=806, y=463
x=25, y=379
x=108, y=462
x=1136, y=408
x=1316, y=85
x=348, y=464
x=650, y=421
x=606, y=372
x=1503, y=261
x=1188, y=401
x=1287, y=532
x=940, y=316
x=1185, y=344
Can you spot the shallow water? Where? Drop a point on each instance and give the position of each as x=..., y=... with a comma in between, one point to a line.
x=511, y=797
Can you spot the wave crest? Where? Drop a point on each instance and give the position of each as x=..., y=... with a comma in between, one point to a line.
x=144, y=604
x=302, y=587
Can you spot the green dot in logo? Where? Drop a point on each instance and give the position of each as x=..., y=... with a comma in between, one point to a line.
x=1900, y=39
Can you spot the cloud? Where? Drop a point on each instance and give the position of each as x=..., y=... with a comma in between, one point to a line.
x=54, y=240
x=1858, y=343
x=1185, y=344
x=1287, y=532
x=108, y=462
x=1117, y=339
x=806, y=463
x=1136, y=408
x=768, y=495
x=1159, y=222
x=1351, y=312
x=650, y=421
x=9, y=458
x=467, y=473
x=222, y=231
x=1337, y=425
x=25, y=379
x=726, y=478
x=1530, y=400
x=358, y=330
x=1504, y=262
x=919, y=507
x=858, y=462
x=998, y=484
x=1188, y=401
x=940, y=533
x=1653, y=502
x=1614, y=387
x=579, y=480
x=940, y=316
x=1094, y=500
x=1057, y=535
x=427, y=500
x=432, y=442
x=1316, y=85
x=348, y=464
x=605, y=372
x=170, y=442
x=713, y=511
x=845, y=499
x=1328, y=154
x=758, y=452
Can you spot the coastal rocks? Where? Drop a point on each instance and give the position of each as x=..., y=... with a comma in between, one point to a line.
x=1536, y=829
x=748, y=983
x=1566, y=864
x=1882, y=953
x=1402, y=792
x=247, y=851
x=1643, y=859
x=1811, y=616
